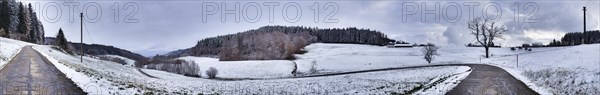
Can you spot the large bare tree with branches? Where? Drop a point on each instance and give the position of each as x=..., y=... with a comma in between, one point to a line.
x=486, y=30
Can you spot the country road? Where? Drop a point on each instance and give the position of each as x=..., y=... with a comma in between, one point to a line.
x=29, y=73
x=490, y=80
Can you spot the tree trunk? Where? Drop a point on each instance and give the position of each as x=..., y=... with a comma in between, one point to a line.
x=487, y=52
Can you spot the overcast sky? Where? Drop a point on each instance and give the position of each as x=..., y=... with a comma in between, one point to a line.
x=157, y=27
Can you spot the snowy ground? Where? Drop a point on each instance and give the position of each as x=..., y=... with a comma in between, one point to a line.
x=94, y=76
x=9, y=48
x=328, y=58
x=118, y=76
x=385, y=82
x=352, y=57
x=556, y=70
x=551, y=70
x=105, y=77
x=561, y=70
x=245, y=69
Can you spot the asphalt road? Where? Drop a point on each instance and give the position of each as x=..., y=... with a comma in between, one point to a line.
x=29, y=73
x=490, y=80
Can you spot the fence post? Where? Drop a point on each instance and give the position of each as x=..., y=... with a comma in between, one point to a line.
x=479, y=59
x=517, y=60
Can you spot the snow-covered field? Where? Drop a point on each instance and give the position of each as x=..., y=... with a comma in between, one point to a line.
x=114, y=78
x=244, y=69
x=105, y=77
x=352, y=57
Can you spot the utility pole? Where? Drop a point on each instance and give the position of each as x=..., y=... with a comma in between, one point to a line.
x=584, y=18
x=81, y=44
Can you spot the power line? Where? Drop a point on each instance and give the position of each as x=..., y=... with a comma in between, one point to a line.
x=587, y=3
x=88, y=33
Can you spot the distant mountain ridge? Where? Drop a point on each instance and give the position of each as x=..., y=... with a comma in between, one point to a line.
x=97, y=49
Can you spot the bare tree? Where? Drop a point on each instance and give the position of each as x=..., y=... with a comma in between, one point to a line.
x=485, y=31
x=429, y=51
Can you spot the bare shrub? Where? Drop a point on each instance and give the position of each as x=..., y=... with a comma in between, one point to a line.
x=212, y=72
x=187, y=68
x=313, y=67
x=429, y=51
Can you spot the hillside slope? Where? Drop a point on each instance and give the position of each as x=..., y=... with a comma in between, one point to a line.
x=276, y=42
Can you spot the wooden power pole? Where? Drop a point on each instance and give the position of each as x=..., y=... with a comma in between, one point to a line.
x=81, y=44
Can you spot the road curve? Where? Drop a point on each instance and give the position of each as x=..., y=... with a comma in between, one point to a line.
x=29, y=73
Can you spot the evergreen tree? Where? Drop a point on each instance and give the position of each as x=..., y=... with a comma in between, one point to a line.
x=22, y=26
x=577, y=38
x=5, y=18
x=61, y=41
x=33, y=26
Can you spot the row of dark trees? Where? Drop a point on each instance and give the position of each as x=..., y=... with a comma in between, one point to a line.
x=578, y=38
x=187, y=68
x=277, y=42
x=20, y=22
x=90, y=49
